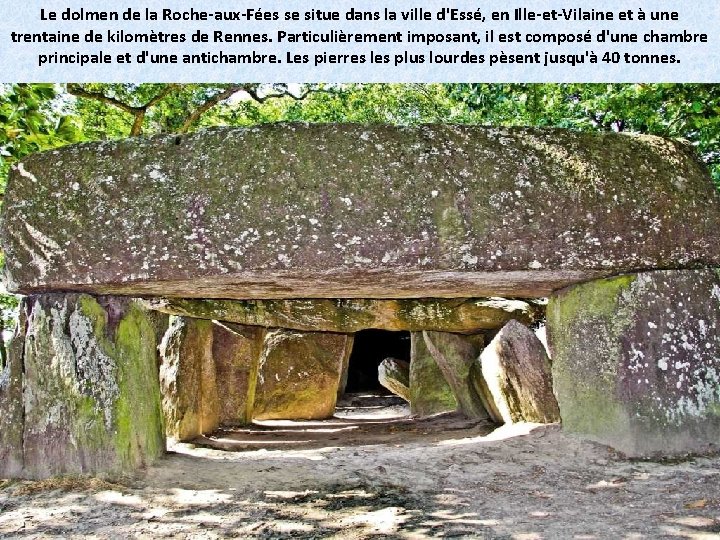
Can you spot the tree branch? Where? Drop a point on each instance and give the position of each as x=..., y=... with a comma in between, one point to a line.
x=137, y=111
x=250, y=89
x=161, y=95
x=79, y=91
x=252, y=92
x=209, y=104
x=137, y=126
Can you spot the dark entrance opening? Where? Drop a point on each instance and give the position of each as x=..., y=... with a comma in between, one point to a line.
x=369, y=349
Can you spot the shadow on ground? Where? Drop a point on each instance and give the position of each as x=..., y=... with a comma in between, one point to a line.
x=360, y=419
x=366, y=475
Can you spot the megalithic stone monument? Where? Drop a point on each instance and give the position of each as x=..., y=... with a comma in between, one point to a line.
x=611, y=227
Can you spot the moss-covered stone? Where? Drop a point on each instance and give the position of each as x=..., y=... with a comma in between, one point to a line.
x=12, y=413
x=636, y=360
x=455, y=355
x=353, y=211
x=299, y=374
x=352, y=315
x=429, y=391
x=236, y=353
x=91, y=396
x=188, y=379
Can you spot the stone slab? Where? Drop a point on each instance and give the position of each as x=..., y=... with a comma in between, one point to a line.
x=636, y=361
x=353, y=211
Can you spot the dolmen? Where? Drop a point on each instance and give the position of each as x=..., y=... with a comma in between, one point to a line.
x=173, y=284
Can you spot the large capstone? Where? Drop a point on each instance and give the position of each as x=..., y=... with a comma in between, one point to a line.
x=90, y=398
x=636, y=360
x=299, y=374
x=352, y=211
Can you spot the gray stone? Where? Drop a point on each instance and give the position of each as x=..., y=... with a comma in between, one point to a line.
x=516, y=382
x=345, y=370
x=394, y=375
x=188, y=380
x=352, y=315
x=12, y=413
x=455, y=356
x=299, y=375
x=636, y=361
x=90, y=400
x=236, y=352
x=429, y=391
x=341, y=211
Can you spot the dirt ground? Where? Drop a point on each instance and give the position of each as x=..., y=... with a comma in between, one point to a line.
x=373, y=473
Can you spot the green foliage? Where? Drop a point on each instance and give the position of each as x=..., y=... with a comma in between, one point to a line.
x=30, y=122
x=400, y=104
x=687, y=111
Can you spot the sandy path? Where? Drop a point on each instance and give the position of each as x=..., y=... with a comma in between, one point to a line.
x=396, y=481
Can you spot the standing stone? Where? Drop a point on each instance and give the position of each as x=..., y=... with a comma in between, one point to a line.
x=12, y=414
x=394, y=375
x=636, y=360
x=299, y=375
x=91, y=397
x=455, y=356
x=345, y=372
x=187, y=377
x=429, y=391
x=236, y=352
x=516, y=384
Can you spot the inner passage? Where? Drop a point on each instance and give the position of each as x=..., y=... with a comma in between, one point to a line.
x=370, y=348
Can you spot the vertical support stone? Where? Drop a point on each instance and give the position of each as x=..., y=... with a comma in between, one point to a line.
x=84, y=372
x=188, y=379
x=345, y=366
x=515, y=383
x=636, y=360
x=455, y=356
x=429, y=391
x=12, y=411
x=236, y=351
x=299, y=374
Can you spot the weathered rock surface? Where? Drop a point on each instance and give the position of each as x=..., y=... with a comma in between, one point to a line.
x=299, y=374
x=339, y=211
x=352, y=315
x=516, y=382
x=455, y=356
x=236, y=352
x=90, y=396
x=345, y=369
x=429, y=391
x=188, y=379
x=12, y=413
x=636, y=360
x=394, y=375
